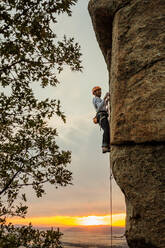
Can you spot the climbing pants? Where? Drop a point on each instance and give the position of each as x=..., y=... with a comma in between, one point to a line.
x=104, y=123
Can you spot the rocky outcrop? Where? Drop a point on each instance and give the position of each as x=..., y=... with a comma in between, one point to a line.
x=131, y=35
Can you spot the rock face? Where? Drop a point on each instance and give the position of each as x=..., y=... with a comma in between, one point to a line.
x=131, y=35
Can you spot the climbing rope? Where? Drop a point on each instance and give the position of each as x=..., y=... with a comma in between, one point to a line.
x=111, y=230
x=111, y=177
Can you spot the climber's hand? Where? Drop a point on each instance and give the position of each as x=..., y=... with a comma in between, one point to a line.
x=106, y=95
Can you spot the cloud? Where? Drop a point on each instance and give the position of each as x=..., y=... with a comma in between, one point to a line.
x=90, y=193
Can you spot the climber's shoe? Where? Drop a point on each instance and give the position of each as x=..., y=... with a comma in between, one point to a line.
x=105, y=149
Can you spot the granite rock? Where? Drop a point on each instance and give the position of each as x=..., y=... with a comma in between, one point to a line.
x=138, y=170
x=136, y=65
x=131, y=35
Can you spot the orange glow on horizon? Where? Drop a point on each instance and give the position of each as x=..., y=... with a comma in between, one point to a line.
x=118, y=220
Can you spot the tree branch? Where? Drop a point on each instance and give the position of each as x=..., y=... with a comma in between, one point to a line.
x=9, y=66
x=16, y=19
x=9, y=183
x=31, y=184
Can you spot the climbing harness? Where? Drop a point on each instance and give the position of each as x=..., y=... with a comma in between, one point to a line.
x=100, y=116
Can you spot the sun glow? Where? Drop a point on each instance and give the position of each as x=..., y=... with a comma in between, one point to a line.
x=117, y=220
x=91, y=220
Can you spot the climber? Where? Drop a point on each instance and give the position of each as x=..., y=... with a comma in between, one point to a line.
x=102, y=116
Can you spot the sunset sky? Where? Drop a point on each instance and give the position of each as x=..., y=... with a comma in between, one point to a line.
x=118, y=220
x=89, y=196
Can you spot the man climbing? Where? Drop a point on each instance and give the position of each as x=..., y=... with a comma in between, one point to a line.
x=102, y=116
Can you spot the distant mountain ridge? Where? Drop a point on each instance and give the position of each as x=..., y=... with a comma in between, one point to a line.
x=100, y=229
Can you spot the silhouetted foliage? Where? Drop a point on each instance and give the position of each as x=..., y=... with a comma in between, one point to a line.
x=30, y=53
x=27, y=236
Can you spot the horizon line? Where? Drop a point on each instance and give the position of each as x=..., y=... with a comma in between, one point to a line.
x=118, y=220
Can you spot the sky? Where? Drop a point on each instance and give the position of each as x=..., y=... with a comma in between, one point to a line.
x=90, y=194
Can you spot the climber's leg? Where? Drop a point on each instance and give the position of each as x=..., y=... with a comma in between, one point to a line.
x=106, y=135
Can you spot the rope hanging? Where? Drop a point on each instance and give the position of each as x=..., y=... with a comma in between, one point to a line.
x=111, y=232
x=111, y=177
